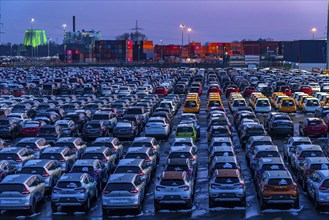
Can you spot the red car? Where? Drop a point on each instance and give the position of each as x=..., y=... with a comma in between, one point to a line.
x=306, y=89
x=231, y=89
x=30, y=128
x=248, y=91
x=286, y=90
x=196, y=89
x=214, y=88
x=161, y=90
x=313, y=127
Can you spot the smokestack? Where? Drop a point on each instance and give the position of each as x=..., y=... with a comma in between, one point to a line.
x=73, y=23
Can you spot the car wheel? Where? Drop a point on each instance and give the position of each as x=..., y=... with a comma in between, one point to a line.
x=33, y=207
x=296, y=204
x=243, y=202
x=105, y=213
x=316, y=203
x=53, y=207
x=263, y=205
x=157, y=207
x=189, y=204
x=212, y=203
x=86, y=207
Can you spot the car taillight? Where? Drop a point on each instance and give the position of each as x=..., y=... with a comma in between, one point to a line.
x=134, y=191
x=45, y=175
x=241, y=185
x=106, y=192
x=81, y=190
x=213, y=186
x=19, y=160
x=158, y=188
x=300, y=158
x=192, y=159
x=36, y=149
x=323, y=187
x=148, y=160
x=101, y=129
x=25, y=192
x=141, y=173
x=184, y=187
x=62, y=159
x=266, y=188
x=105, y=159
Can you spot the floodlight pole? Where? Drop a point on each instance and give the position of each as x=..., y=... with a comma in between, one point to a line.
x=327, y=57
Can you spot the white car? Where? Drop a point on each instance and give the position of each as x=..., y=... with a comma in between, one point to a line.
x=157, y=127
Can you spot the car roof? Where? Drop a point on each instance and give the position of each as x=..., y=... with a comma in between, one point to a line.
x=85, y=162
x=121, y=177
x=178, y=161
x=29, y=140
x=169, y=175
x=271, y=160
x=36, y=163
x=273, y=174
x=266, y=148
x=54, y=150
x=227, y=173
x=130, y=162
x=95, y=149
x=300, y=139
x=221, y=159
x=261, y=138
x=143, y=139
x=104, y=139
x=309, y=147
x=72, y=177
x=11, y=150
x=66, y=139
x=16, y=178
x=138, y=150
x=315, y=160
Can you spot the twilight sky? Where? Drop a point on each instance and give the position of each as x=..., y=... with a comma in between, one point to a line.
x=216, y=20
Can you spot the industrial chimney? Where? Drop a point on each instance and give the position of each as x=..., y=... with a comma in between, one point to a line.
x=73, y=23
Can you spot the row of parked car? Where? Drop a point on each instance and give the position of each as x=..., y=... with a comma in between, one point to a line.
x=273, y=181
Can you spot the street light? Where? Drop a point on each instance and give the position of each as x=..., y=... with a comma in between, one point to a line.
x=65, y=55
x=161, y=49
x=189, y=30
x=313, y=31
x=182, y=26
x=32, y=21
x=49, y=39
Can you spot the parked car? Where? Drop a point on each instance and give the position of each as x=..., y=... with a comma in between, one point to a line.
x=74, y=189
x=22, y=192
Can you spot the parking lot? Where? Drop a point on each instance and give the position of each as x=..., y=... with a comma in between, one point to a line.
x=200, y=206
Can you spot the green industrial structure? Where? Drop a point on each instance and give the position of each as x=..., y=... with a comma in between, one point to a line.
x=35, y=38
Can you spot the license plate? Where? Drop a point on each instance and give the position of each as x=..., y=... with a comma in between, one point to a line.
x=120, y=201
x=9, y=201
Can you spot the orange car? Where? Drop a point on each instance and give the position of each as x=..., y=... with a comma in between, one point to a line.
x=277, y=187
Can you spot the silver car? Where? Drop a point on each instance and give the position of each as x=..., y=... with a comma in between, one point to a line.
x=21, y=192
x=318, y=188
x=74, y=189
x=145, y=153
x=123, y=191
x=290, y=146
x=157, y=127
x=136, y=166
x=16, y=156
x=174, y=187
x=50, y=170
x=34, y=144
x=227, y=185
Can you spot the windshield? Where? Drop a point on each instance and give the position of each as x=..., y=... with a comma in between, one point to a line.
x=262, y=103
x=184, y=130
x=225, y=165
x=119, y=187
x=180, y=155
x=68, y=184
x=280, y=182
x=227, y=180
x=99, y=156
x=172, y=182
x=268, y=154
x=33, y=170
x=177, y=168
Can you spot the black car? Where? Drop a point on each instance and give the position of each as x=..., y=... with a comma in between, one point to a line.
x=94, y=129
x=10, y=128
x=50, y=132
x=126, y=130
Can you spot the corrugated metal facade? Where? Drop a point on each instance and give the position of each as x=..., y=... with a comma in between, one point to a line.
x=305, y=51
